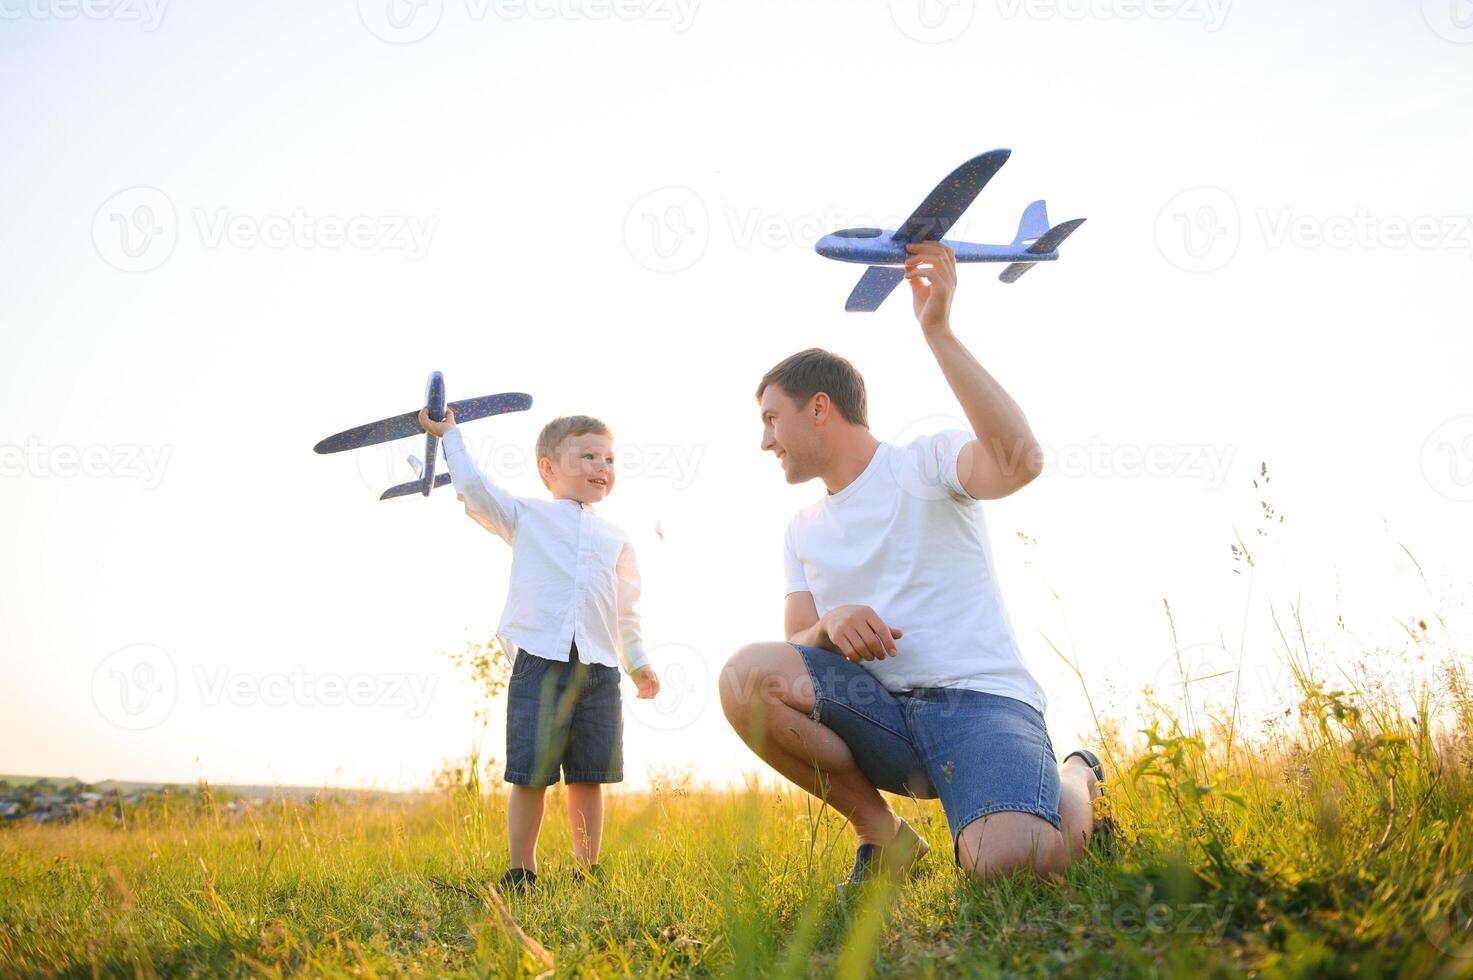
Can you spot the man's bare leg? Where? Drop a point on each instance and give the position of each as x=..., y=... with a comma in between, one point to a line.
x=1078, y=789
x=1008, y=842
x=767, y=696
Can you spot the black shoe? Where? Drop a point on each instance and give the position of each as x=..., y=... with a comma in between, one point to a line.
x=517, y=881
x=592, y=871
x=895, y=858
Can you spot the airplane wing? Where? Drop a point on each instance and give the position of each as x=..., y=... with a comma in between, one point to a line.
x=414, y=486
x=945, y=204
x=1050, y=242
x=471, y=409
x=403, y=426
x=384, y=430
x=877, y=282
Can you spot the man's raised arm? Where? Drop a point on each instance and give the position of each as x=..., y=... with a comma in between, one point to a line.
x=1004, y=457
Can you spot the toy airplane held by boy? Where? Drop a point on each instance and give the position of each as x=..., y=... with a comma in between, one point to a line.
x=884, y=251
x=403, y=426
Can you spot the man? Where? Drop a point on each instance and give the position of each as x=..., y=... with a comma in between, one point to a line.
x=901, y=672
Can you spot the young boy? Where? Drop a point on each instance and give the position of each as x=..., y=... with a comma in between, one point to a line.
x=570, y=618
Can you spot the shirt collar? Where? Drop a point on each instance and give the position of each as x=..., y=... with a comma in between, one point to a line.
x=874, y=464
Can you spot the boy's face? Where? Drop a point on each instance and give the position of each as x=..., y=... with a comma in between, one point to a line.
x=581, y=468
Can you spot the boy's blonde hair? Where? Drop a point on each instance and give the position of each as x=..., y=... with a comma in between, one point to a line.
x=554, y=432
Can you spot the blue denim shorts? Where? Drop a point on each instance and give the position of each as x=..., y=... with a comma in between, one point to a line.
x=980, y=753
x=563, y=717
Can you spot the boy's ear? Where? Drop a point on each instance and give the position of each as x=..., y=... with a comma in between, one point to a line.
x=544, y=470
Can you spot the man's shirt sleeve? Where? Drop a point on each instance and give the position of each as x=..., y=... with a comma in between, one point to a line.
x=797, y=581
x=940, y=459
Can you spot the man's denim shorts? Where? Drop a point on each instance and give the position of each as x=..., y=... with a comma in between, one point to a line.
x=980, y=753
x=563, y=716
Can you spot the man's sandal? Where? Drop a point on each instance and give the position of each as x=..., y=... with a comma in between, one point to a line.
x=895, y=858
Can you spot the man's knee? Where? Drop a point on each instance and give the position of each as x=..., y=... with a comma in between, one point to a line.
x=758, y=673
x=1005, y=844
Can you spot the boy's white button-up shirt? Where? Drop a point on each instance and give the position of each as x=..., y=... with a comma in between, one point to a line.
x=573, y=574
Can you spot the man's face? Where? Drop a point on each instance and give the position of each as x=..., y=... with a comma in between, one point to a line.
x=791, y=433
x=582, y=468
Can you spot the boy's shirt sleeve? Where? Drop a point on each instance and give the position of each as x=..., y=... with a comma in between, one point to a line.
x=631, y=643
x=485, y=503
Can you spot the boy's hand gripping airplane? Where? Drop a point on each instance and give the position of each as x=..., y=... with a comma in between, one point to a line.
x=884, y=251
x=403, y=426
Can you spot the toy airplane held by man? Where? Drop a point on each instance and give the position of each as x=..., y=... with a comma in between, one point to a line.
x=403, y=426
x=884, y=251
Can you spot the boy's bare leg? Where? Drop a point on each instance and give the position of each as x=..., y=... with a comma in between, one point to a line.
x=586, y=821
x=523, y=822
x=767, y=696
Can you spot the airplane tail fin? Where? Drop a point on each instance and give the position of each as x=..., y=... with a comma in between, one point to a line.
x=1034, y=224
x=1048, y=242
x=414, y=486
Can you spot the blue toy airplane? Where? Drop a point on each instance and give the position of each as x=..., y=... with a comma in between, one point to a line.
x=884, y=251
x=403, y=426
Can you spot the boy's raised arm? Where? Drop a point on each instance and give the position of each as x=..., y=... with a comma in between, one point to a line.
x=485, y=503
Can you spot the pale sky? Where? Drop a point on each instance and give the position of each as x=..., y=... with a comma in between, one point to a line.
x=231, y=231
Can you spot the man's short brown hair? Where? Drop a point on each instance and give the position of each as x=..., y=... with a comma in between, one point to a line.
x=554, y=432
x=808, y=372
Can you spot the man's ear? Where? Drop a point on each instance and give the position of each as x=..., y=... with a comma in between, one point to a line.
x=818, y=408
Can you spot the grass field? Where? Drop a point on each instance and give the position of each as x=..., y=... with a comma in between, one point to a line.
x=1340, y=843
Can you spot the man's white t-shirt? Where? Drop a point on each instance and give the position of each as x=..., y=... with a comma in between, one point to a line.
x=906, y=539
